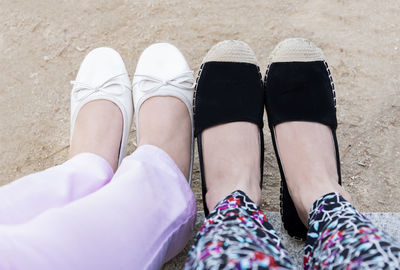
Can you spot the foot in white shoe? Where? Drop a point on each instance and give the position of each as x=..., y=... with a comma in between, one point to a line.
x=101, y=107
x=163, y=97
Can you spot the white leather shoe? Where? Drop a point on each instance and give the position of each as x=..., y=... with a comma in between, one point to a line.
x=102, y=75
x=163, y=71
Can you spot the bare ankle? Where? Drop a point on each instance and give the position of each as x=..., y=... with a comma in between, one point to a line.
x=304, y=198
x=165, y=122
x=308, y=157
x=232, y=161
x=98, y=130
x=216, y=193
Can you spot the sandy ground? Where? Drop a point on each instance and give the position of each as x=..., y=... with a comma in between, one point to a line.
x=43, y=42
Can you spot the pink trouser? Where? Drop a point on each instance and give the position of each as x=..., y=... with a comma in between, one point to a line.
x=79, y=215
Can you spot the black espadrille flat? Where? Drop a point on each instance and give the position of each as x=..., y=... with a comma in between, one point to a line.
x=298, y=87
x=228, y=89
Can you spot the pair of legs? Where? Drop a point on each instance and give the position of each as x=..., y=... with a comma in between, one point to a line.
x=306, y=149
x=164, y=122
x=88, y=213
x=236, y=234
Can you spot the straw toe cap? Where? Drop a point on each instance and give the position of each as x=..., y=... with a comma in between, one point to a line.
x=231, y=51
x=296, y=50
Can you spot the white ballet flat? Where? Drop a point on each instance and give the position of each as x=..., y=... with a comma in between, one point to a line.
x=102, y=75
x=163, y=71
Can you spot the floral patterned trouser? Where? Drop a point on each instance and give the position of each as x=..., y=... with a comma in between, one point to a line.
x=237, y=235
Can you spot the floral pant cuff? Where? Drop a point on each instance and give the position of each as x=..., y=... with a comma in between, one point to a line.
x=339, y=237
x=237, y=235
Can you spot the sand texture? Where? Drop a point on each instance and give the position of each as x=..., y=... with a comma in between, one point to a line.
x=43, y=42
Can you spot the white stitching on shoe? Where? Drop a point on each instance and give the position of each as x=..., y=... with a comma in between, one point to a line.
x=86, y=90
x=332, y=84
x=195, y=89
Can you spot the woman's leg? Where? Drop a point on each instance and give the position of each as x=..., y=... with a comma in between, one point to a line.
x=29, y=196
x=236, y=234
x=93, y=157
x=142, y=218
x=340, y=237
x=97, y=123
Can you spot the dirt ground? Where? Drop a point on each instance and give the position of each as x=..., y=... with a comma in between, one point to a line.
x=43, y=42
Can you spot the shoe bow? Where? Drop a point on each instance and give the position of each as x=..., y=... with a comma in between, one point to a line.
x=81, y=90
x=183, y=81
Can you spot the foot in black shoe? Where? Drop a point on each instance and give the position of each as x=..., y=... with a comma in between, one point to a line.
x=228, y=119
x=300, y=103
